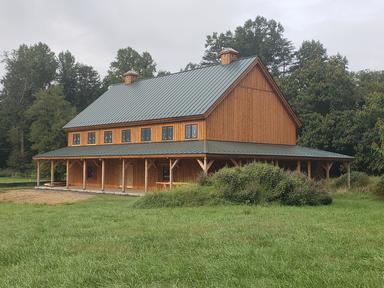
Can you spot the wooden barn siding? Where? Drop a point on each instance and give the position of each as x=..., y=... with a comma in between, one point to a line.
x=185, y=171
x=178, y=133
x=252, y=112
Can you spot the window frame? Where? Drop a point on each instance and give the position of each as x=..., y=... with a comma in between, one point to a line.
x=89, y=132
x=190, y=131
x=73, y=138
x=150, y=134
x=108, y=131
x=167, y=129
x=130, y=135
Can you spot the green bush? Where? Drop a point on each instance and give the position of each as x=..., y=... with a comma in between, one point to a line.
x=189, y=195
x=358, y=179
x=203, y=179
x=251, y=184
x=379, y=189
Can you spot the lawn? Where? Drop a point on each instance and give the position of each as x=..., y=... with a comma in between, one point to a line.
x=16, y=180
x=105, y=242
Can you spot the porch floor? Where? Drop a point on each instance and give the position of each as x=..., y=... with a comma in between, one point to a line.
x=96, y=190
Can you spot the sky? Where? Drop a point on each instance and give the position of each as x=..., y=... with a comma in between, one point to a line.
x=174, y=31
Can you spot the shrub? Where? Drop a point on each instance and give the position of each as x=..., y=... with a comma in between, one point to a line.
x=190, y=195
x=379, y=189
x=204, y=179
x=358, y=179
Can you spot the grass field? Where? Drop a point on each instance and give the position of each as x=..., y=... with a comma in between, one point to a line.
x=105, y=242
x=15, y=180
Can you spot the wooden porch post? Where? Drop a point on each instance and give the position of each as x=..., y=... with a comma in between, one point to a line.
x=348, y=165
x=171, y=166
x=52, y=172
x=67, y=176
x=38, y=173
x=327, y=167
x=298, y=166
x=84, y=174
x=146, y=175
x=205, y=165
x=123, y=176
x=309, y=169
x=102, y=174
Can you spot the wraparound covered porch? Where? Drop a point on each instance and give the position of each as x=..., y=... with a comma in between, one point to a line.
x=149, y=166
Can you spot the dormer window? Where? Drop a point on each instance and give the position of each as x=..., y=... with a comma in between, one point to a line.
x=76, y=139
x=107, y=137
x=91, y=137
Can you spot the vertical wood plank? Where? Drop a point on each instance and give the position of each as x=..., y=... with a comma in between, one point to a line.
x=298, y=166
x=309, y=169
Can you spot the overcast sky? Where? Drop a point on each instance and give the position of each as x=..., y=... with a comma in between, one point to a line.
x=174, y=31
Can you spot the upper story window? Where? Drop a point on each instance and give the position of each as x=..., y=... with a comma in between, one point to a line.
x=145, y=134
x=126, y=135
x=91, y=137
x=76, y=139
x=107, y=136
x=167, y=133
x=191, y=131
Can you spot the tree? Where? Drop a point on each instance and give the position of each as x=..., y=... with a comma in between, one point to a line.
x=261, y=37
x=48, y=114
x=163, y=73
x=129, y=59
x=190, y=66
x=28, y=69
x=81, y=83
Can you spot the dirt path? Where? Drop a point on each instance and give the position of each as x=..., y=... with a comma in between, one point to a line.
x=42, y=197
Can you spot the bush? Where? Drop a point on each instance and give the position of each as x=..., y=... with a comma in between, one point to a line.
x=252, y=184
x=203, y=179
x=358, y=179
x=255, y=183
x=379, y=189
x=190, y=195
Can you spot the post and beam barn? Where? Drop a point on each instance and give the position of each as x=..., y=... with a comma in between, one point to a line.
x=145, y=134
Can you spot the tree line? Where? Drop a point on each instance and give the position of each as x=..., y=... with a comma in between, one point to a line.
x=341, y=110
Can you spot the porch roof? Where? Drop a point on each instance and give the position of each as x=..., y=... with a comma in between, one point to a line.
x=185, y=148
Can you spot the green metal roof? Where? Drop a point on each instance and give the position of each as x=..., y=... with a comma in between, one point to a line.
x=181, y=94
x=194, y=147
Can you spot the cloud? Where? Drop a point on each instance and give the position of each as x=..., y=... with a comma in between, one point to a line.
x=174, y=31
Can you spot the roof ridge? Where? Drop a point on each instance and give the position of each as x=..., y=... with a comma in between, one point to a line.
x=186, y=71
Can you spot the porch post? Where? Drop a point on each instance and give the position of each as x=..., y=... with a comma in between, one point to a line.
x=171, y=166
x=309, y=169
x=84, y=174
x=348, y=164
x=67, y=176
x=123, y=176
x=38, y=173
x=102, y=174
x=52, y=172
x=146, y=175
x=327, y=167
x=299, y=166
x=205, y=165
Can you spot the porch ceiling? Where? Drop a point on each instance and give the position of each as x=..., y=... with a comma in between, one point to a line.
x=192, y=148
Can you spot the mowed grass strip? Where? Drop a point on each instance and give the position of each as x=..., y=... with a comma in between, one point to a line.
x=105, y=242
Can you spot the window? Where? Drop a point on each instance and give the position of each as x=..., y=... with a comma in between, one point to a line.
x=107, y=136
x=191, y=131
x=145, y=134
x=165, y=173
x=76, y=139
x=91, y=137
x=167, y=133
x=126, y=135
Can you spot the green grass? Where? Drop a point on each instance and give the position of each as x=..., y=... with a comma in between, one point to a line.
x=16, y=180
x=106, y=242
